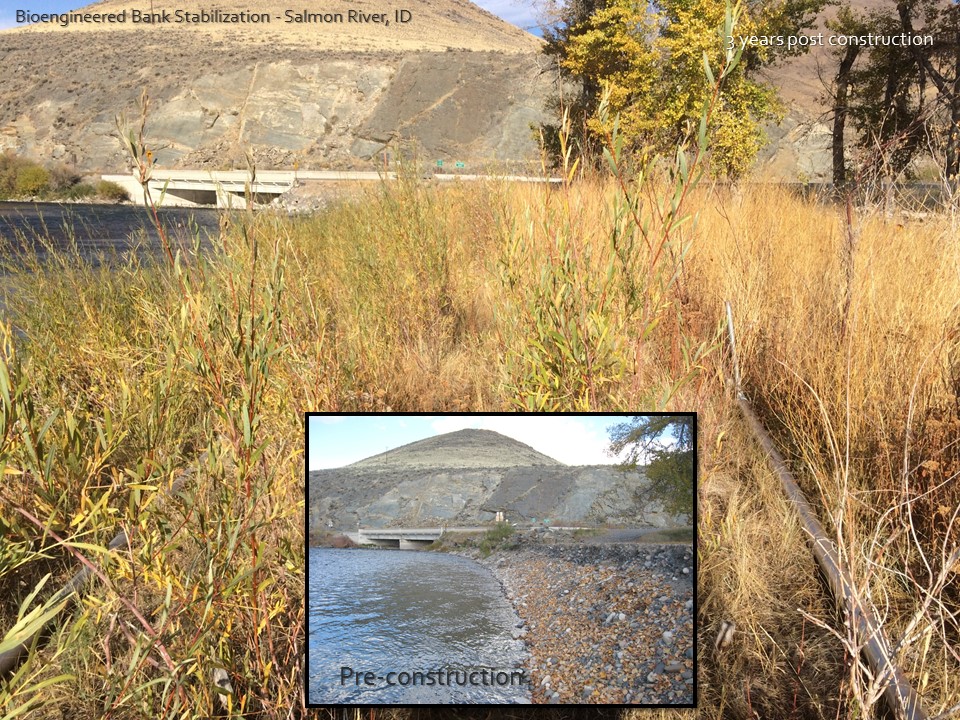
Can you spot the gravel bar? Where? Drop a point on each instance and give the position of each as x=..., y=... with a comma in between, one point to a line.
x=604, y=623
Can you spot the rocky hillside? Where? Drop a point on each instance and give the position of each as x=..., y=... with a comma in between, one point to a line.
x=466, y=449
x=464, y=478
x=336, y=25
x=453, y=83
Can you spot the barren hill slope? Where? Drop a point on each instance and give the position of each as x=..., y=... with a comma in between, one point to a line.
x=461, y=449
x=803, y=80
x=432, y=25
x=463, y=478
x=453, y=83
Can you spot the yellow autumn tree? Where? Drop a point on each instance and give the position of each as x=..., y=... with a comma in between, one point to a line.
x=613, y=50
x=649, y=59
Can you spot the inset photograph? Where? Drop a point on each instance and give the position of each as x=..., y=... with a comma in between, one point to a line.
x=470, y=559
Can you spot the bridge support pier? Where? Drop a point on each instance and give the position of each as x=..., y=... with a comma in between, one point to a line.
x=403, y=538
x=414, y=544
x=380, y=542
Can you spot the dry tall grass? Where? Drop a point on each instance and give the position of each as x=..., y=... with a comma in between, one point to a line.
x=849, y=344
x=478, y=297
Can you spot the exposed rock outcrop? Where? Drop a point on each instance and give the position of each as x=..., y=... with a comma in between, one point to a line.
x=453, y=84
x=465, y=477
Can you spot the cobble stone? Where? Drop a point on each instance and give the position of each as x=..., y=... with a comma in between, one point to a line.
x=624, y=638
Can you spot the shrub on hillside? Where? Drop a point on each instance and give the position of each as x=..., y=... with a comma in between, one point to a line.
x=80, y=191
x=32, y=180
x=342, y=541
x=500, y=532
x=63, y=178
x=20, y=178
x=10, y=168
x=111, y=191
x=496, y=538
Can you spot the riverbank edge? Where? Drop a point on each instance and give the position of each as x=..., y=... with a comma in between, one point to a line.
x=624, y=556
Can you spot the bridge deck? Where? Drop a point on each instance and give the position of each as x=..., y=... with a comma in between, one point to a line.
x=227, y=188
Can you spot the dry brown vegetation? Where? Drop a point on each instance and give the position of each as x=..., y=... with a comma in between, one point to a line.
x=482, y=297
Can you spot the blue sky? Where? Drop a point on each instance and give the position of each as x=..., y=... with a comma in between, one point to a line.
x=517, y=12
x=338, y=440
x=522, y=14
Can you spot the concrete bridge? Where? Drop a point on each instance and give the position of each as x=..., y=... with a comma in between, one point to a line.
x=229, y=188
x=405, y=538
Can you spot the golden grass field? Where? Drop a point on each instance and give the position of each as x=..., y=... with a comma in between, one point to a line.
x=482, y=297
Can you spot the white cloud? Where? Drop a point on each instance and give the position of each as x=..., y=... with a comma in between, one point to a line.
x=522, y=14
x=564, y=438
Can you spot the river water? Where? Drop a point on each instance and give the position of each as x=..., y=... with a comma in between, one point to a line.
x=400, y=627
x=99, y=233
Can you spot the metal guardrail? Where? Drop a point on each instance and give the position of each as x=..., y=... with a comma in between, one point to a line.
x=899, y=694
